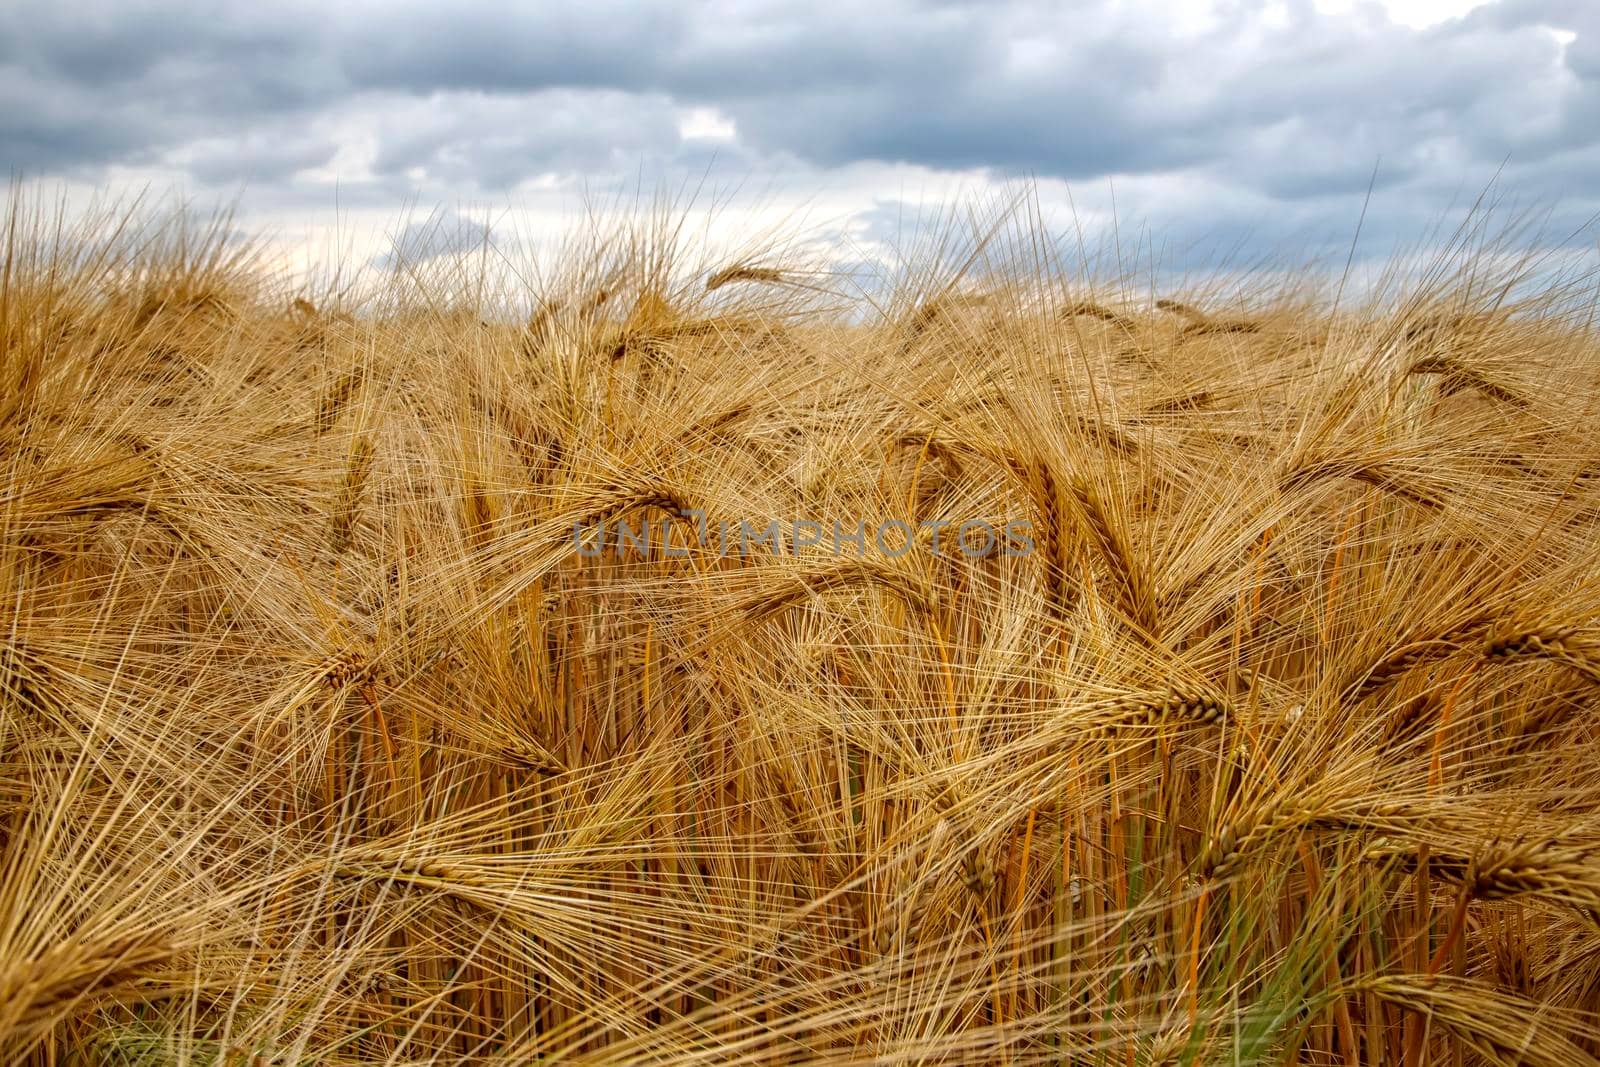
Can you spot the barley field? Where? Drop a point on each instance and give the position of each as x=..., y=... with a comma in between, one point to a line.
x=343, y=723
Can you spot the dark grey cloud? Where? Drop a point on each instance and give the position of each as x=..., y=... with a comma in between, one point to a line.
x=1269, y=113
x=257, y=156
x=444, y=233
x=495, y=141
x=490, y=48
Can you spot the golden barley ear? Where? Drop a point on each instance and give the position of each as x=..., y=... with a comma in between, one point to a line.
x=352, y=492
x=1544, y=869
x=1131, y=579
x=1563, y=644
x=391, y=864
x=530, y=754
x=338, y=397
x=1175, y=707
x=1182, y=310
x=938, y=313
x=1092, y=310
x=1501, y=1028
x=743, y=273
x=1276, y=817
x=1395, y=665
x=1055, y=539
x=36, y=993
x=1187, y=402
x=1221, y=326
x=838, y=574
x=1456, y=377
x=1379, y=475
x=978, y=874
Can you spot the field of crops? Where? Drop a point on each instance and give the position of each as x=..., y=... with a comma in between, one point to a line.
x=1116, y=674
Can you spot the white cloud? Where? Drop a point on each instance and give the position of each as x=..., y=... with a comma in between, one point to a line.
x=1417, y=14
x=706, y=124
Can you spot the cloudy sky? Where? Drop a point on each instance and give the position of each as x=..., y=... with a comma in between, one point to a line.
x=1234, y=128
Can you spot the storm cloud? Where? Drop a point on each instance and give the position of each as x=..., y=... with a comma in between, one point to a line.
x=1239, y=115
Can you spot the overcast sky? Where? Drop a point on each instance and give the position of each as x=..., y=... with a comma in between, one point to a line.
x=1241, y=125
